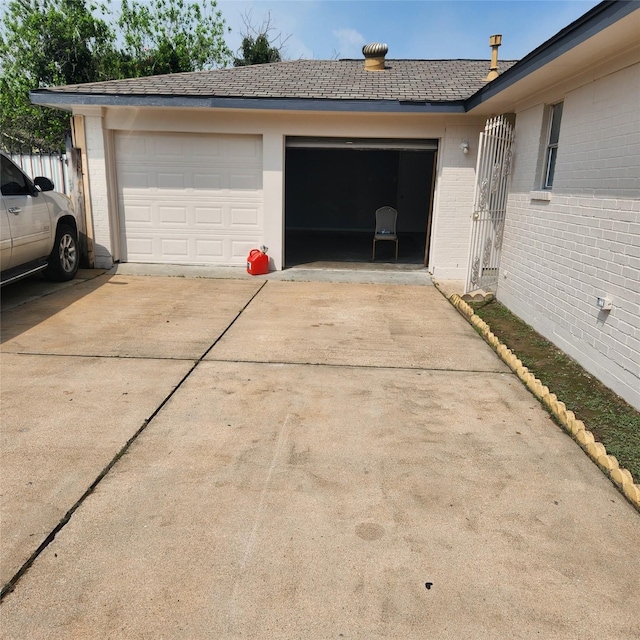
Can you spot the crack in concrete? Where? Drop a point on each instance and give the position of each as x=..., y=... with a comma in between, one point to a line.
x=11, y=583
x=266, y=362
x=337, y=365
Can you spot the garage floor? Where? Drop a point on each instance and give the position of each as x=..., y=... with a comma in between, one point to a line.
x=200, y=458
x=305, y=248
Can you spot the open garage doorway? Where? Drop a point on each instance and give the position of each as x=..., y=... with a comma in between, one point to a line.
x=333, y=188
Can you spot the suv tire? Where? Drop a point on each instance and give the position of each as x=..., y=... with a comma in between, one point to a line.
x=65, y=257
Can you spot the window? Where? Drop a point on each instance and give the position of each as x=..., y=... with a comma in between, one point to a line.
x=12, y=180
x=552, y=146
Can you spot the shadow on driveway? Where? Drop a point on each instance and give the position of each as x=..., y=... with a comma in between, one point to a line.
x=23, y=292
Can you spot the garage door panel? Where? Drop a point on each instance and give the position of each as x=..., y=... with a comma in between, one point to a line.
x=245, y=181
x=208, y=249
x=134, y=146
x=199, y=214
x=172, y=184
x=206, y=147
x=211, y=181
x=175, y=248
x=189, y=199
x=141, y=247
x=244, y=216
x=240, y=249
x=208, y=216
x=245, y=148
x=170, y=181
x=238, y=179
x=169, y=147
x=131, y=180
x=139, y=215
x=172, y=216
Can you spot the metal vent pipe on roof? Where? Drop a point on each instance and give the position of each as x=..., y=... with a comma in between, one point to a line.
x=374, y=54
x=494, y=42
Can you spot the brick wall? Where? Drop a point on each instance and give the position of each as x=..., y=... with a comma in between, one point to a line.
x=601, y=138
x=560, y=254
x=453, y=204
x=95, y=152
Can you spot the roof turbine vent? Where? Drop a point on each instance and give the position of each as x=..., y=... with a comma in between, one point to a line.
x=374, y=54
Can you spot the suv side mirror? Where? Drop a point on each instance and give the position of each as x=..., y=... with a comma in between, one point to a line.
x=44, y=184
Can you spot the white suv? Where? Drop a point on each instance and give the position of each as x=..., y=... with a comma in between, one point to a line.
x=38, y=227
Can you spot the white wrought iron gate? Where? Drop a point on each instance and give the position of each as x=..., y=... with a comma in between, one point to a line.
x=489, y=204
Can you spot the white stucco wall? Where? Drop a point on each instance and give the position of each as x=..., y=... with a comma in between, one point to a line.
x=97, y=165
x=584, y=242
x=454, y=201
x=273, y=147
x=454, y=180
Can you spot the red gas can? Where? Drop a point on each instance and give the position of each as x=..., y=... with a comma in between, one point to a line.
x=258, y=262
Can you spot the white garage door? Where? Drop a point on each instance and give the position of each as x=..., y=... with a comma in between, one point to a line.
x=189, y=199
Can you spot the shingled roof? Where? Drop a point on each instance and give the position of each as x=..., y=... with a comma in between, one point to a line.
x=401, y=81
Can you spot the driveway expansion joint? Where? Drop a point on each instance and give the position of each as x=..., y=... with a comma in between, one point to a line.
x=101, y=356
x=251, y=299
x=337, y=365
x=609, y=465
x=11, y=583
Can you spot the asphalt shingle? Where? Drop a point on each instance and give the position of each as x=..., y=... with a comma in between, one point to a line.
x=402, y=80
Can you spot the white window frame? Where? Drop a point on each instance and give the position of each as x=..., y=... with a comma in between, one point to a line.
x=553, y=137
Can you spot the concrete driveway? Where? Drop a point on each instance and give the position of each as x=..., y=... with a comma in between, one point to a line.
x=199, y=458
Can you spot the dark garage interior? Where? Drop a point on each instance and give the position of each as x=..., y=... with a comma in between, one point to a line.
x=331, y=195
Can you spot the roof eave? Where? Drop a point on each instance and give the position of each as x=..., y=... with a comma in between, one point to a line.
x=45, y=97
x=591, y=23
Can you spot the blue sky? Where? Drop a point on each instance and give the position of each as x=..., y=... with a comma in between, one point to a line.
x=324, y=29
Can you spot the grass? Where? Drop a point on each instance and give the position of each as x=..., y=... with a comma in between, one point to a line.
x=611, y=420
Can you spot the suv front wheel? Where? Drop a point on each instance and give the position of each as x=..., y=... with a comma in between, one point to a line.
x=65, y=258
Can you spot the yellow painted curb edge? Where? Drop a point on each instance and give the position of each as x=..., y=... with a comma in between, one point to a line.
x=622, y=478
